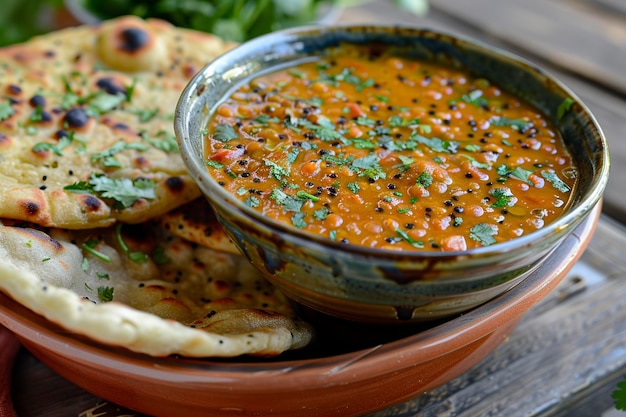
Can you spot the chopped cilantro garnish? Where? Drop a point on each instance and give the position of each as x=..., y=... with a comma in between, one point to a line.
x=564, y=107
x=365, y=121
x=483, y=233
x=321, y=214
x=264, y=119
x=337, y=160
x=165, y=142
x=123, y=190
x=408, y=239
x=214, y=164
x=137, y=257
x=518, y=172
x=556, y=182
x=475, y=98
x=503, y=196
x=90, y=246
x=354, y=187
x=289, y=202
x=252, y=201
x=160, y=257
x=405, y=163
x=304, y=195
x=105, y=294
x=144, y=115
x=476, y=163
x=297, y=219
x=276, y=171
x=363, y=143
x=100, y=103
x=397, y=121
x=619, y=395
x=225, y=133
x=424, y=179
x=293, y=155
x=436, y=144
x=6, y=110
x=102, y=275
x=369, y=166
x=519, y=124
x=324, y=130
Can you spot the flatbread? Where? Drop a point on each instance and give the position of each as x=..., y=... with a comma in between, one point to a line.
x=91, y=108
x=148, y=291
x=196, y=222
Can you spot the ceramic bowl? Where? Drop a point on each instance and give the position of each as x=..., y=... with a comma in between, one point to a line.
x=376, y=285
x=352, y=370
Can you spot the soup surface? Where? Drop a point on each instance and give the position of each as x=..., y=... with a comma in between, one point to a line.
x=390, y=153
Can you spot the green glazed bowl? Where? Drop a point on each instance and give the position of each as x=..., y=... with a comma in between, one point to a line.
x=376, y=285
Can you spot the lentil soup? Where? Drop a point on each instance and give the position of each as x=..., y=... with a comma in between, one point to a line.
x=391, y=153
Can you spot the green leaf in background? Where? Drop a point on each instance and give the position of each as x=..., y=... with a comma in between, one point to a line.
x=22, y=19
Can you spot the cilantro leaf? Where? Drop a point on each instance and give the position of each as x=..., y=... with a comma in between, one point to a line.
x=264, y=119
x=483, y=233
x=276, y=171
x=225, y=133
x=321, y=214
x=166, y=142
x=405, y=163
x=354, y=187
x=337, y=160
x=475, y=98
x=306, y=196
x=619, y=395
x=101, y=103
x=6, y=110
x=476, y=162
x=289, y=202
x=519, y=124
x=369, y=166
x=122, y=190
x=105, y=294
x=504, y=197
x=424, y=179
x=407, y=238
x=397, y=121
x=144, y=115
x=324, y=130
x=252, y=201
x=436, y=144
x=564, y=107
x=298, y=220
x=555, y=181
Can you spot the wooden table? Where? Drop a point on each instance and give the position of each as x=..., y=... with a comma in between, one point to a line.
x=569, y=352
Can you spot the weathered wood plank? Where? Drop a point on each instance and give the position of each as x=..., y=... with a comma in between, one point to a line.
x=569, y=37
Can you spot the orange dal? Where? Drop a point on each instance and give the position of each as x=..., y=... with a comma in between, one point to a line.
x=390, y=153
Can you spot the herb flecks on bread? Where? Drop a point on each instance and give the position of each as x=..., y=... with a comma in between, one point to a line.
x=86, y=136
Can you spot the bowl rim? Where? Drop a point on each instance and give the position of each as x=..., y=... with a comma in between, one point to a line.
x=222, y=197
x=449, y=336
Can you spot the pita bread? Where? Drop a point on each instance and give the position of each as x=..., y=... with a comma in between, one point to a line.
x=140, y=288
x=86, y=135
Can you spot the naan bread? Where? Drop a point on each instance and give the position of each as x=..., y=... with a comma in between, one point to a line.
x=196, y=222
x=90, y=109
x=138, y=287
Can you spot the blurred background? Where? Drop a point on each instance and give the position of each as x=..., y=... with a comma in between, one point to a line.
x=235, y=20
